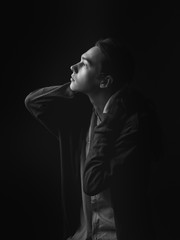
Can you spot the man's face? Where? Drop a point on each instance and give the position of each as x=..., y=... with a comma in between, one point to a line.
x=85, y=76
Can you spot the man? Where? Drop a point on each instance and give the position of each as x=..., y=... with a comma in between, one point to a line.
x=105, y=130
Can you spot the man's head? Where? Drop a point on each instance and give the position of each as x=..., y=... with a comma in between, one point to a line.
x=85, y=76
x=106, y=66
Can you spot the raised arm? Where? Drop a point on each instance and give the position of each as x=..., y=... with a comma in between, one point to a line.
x=108, y=157
x=54, y=106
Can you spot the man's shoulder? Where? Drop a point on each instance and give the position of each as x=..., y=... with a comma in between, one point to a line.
x=131, y=107
x=135, y=101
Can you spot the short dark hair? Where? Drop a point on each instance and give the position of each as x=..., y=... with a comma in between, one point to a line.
x=118, y=61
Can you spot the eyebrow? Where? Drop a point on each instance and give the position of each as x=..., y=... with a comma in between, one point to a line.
x=87, y=59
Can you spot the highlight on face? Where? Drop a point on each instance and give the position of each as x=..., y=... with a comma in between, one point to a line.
x=85, y=73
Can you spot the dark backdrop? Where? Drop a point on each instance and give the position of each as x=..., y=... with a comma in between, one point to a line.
x=40, y=40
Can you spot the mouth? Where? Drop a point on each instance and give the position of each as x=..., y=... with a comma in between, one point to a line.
x=72, y=79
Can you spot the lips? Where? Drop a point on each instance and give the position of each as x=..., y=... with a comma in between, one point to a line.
x=72, y=78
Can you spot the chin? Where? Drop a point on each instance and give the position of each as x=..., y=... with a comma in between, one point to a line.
x=73, y=87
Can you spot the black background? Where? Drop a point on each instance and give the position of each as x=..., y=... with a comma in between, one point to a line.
x=39, y=42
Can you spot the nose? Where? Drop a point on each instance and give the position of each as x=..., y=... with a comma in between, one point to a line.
x=74, y=68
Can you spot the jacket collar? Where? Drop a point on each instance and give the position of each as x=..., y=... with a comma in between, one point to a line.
x=110, y=102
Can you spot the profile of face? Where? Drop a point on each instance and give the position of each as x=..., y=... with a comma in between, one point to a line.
x=85, y=74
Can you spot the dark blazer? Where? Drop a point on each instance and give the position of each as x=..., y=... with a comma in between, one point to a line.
x=123, y=147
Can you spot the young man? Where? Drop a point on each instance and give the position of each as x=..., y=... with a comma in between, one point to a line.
x=105, y=131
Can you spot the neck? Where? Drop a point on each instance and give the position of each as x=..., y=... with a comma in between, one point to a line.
x=99, y=101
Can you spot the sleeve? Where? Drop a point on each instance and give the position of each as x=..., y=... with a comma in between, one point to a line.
x=53, y=106
x=111, y=151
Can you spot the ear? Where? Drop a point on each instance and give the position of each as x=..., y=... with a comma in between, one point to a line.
x=106, y=81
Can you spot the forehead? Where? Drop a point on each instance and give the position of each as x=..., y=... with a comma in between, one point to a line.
x=94, y=54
